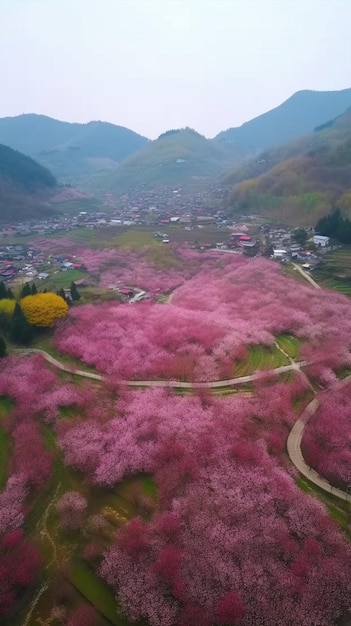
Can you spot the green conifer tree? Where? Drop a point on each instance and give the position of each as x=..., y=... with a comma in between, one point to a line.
x=25, y=291
x=75, y=295
x=3, y=349
x=21, y=331
x=3, y=291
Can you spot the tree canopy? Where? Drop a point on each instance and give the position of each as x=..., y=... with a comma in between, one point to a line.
x=335, y=225
x=43, y=309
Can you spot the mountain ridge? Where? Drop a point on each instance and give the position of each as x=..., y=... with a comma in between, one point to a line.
x=70, y=149
x=25, y=186
x=298, y=182
x=296, y=116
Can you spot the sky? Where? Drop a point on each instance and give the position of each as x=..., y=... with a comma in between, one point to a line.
x=152, y=65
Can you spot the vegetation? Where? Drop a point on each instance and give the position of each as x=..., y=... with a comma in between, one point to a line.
x=174, y=158
x=3, y=349
x=43, y=309
x=25, y=186
x=24, y=171
x=108, y=525
x=335, y=273
x=335, y=225
x=20, y=320
x=71, y=151
x=299, y=182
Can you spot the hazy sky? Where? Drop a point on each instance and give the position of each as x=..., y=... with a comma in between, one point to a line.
x=152, y=65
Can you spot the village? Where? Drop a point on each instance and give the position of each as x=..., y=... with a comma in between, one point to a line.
x=27, y=262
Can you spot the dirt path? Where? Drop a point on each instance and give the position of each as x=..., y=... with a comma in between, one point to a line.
x=296, y=433
x=307, y=276
x=216, y=384
x=295, y=452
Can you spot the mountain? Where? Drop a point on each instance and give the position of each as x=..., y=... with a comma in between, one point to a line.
x=25, y=186
x=298, y=182
x=177, y=157
x=70, y=151
x=297, y=116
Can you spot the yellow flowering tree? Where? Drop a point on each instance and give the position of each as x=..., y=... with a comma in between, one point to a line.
x=7, y=305
x=43, y=309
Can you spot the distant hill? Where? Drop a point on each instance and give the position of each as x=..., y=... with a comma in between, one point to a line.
x=296, y=117
x=70, y=151
x=25, y=186
x=298, y=182
x=180, y=156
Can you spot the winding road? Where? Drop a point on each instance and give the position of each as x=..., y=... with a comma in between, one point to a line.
x=295, y=435
x=216, y=384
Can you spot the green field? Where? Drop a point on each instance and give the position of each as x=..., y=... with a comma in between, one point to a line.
x=59, y=279
x=339, y=510
x=96, y=592
x=290, y=345
x=336, y=272
x=260, y=358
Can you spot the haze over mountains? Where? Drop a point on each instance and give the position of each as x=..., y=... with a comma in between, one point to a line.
x=70, y=151
x=309, y=174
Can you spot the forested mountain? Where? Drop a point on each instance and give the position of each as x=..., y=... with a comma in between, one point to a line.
x=25, y=186
x=298, y=182
x=71, y=151
x=179, y=156
x=297, y=116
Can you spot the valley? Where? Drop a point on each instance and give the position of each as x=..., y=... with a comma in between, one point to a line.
x=175, y=365
x=139, y=413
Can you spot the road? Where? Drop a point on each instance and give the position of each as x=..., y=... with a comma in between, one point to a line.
x=307, y=276
x=295, y=453
x=216, y=384
x=295, y=435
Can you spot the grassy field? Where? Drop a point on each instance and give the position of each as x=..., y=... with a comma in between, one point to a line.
x=96, y=592
x=45, y=343
x=260, y=358
x=290, y=345
x=339, y=510
x=336, y=273
x=59, y=279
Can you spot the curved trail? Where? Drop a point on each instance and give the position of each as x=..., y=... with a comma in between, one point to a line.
x=216, y=384
x=295, y=435
x=295, y=452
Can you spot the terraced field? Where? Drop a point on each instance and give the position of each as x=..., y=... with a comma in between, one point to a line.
x=260, y=358
x=336, y=273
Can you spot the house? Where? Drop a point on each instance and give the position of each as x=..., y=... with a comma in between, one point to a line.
x=249, y=248
x=320, y=240
x=279, y=254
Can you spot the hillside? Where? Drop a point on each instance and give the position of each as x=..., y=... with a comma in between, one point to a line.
x=294, y=118
x=25, y=186
x=71, y=151
x=177, y=157
x=298, y=182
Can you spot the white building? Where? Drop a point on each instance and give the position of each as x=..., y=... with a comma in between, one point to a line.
x=320, y=240
x=279, y=254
